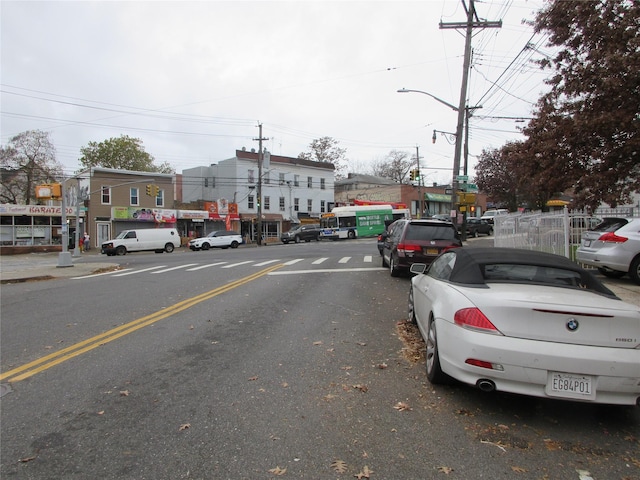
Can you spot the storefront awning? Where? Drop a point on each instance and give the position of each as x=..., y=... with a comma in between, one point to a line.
x=269, y=217
x=438, y=197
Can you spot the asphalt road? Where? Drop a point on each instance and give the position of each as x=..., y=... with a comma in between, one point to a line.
x=239, y=364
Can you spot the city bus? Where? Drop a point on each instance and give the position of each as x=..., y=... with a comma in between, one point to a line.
x=359, y=221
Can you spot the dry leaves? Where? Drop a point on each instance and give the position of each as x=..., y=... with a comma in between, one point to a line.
x=124, y=393
x=518, y=469
x=365, y=473
x=445, y=470
x=362, y=388
x=278, y=471
x=184, y=426
x=402, y=407
x=339, y=466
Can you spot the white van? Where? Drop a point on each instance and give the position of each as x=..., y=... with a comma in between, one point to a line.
x=151, y=239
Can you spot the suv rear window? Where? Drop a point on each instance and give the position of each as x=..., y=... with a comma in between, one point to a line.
x=610, y=225
x=417, y=231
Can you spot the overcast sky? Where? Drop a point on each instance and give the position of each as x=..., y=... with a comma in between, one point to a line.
x=192, y=80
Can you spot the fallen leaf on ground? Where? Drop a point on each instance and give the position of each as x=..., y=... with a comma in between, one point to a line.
x=184, y=426
x=365, y=473
x=124, y=393
x=317, y=343
x=518, y=469
x=401, y=406
x=251, y=379
x=278, y=471
x=27, y=459
x=362, y=388
x=339, y=466
x=446, y=470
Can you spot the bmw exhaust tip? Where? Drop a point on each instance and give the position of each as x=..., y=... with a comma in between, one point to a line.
x=486, y=385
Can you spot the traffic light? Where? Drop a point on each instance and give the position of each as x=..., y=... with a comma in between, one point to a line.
x=412, y=174
x=149, y=190
x=417, y=174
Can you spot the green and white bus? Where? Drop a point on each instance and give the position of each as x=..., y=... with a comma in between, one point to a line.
x=358, y=221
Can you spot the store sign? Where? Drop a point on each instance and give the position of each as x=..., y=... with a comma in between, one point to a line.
x=157, y=215
x=35, y=210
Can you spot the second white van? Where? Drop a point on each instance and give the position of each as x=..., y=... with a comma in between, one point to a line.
x=157, y=240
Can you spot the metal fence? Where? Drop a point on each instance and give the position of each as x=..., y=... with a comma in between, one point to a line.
x=553, y=232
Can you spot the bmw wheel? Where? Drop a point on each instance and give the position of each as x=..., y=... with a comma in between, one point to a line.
x=434, y=372
x=412, y=308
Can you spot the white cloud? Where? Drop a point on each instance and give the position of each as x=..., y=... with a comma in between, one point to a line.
x=192, y=79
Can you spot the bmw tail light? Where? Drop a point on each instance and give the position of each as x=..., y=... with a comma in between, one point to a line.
x=474, y=319
x=612, y=238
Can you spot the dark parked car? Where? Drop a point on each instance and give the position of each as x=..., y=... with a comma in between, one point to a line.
x=302, y=232
x=476, y=226
x=417, y=241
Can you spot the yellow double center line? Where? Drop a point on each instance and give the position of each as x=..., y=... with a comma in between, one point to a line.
x=44, y=363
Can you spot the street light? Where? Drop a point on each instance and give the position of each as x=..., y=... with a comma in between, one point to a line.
x=456, y=159
x=463, y=113
x=405, y=90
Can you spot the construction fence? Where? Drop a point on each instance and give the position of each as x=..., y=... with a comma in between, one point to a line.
x=554, y=232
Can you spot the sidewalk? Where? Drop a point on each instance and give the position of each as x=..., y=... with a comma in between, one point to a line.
x=44, y=266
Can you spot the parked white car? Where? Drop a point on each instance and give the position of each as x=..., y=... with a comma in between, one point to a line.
x=149, y=239
x=218, y=239
x=526, y=322
x=489, y=215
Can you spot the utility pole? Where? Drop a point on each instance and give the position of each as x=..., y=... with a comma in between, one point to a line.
x=471, y=23
x=420, y=196
x=259, y=189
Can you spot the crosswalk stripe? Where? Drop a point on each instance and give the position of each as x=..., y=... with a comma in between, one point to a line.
x=262, y=264
x=174, y=268
x=205, y=266
x=319, y=261
x=294, y=261
x=344, y=259
x=368, y=258
x=138, y=271
x=237, y=264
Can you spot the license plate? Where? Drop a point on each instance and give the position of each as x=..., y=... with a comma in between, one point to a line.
x=570, y=386
x=587, y=243
x=431, y=251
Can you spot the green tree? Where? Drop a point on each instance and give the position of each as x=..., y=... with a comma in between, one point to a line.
x=585, y=134
x=326, y=149
x=595, y=94
x=28, y=160
x=124, y=153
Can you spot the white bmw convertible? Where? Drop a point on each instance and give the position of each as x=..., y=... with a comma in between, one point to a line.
x=528, y=323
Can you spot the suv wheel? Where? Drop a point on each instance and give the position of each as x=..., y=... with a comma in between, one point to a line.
x=392, y=267
x=205, y=246
x=234, y=244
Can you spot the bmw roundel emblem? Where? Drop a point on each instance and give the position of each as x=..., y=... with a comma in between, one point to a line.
x=572, y=325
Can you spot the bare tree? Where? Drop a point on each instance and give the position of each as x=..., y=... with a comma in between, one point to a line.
x=395, y=166
x=326, y=149
x=28, y=160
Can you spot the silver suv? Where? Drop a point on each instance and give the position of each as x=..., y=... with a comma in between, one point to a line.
x=613, y=247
